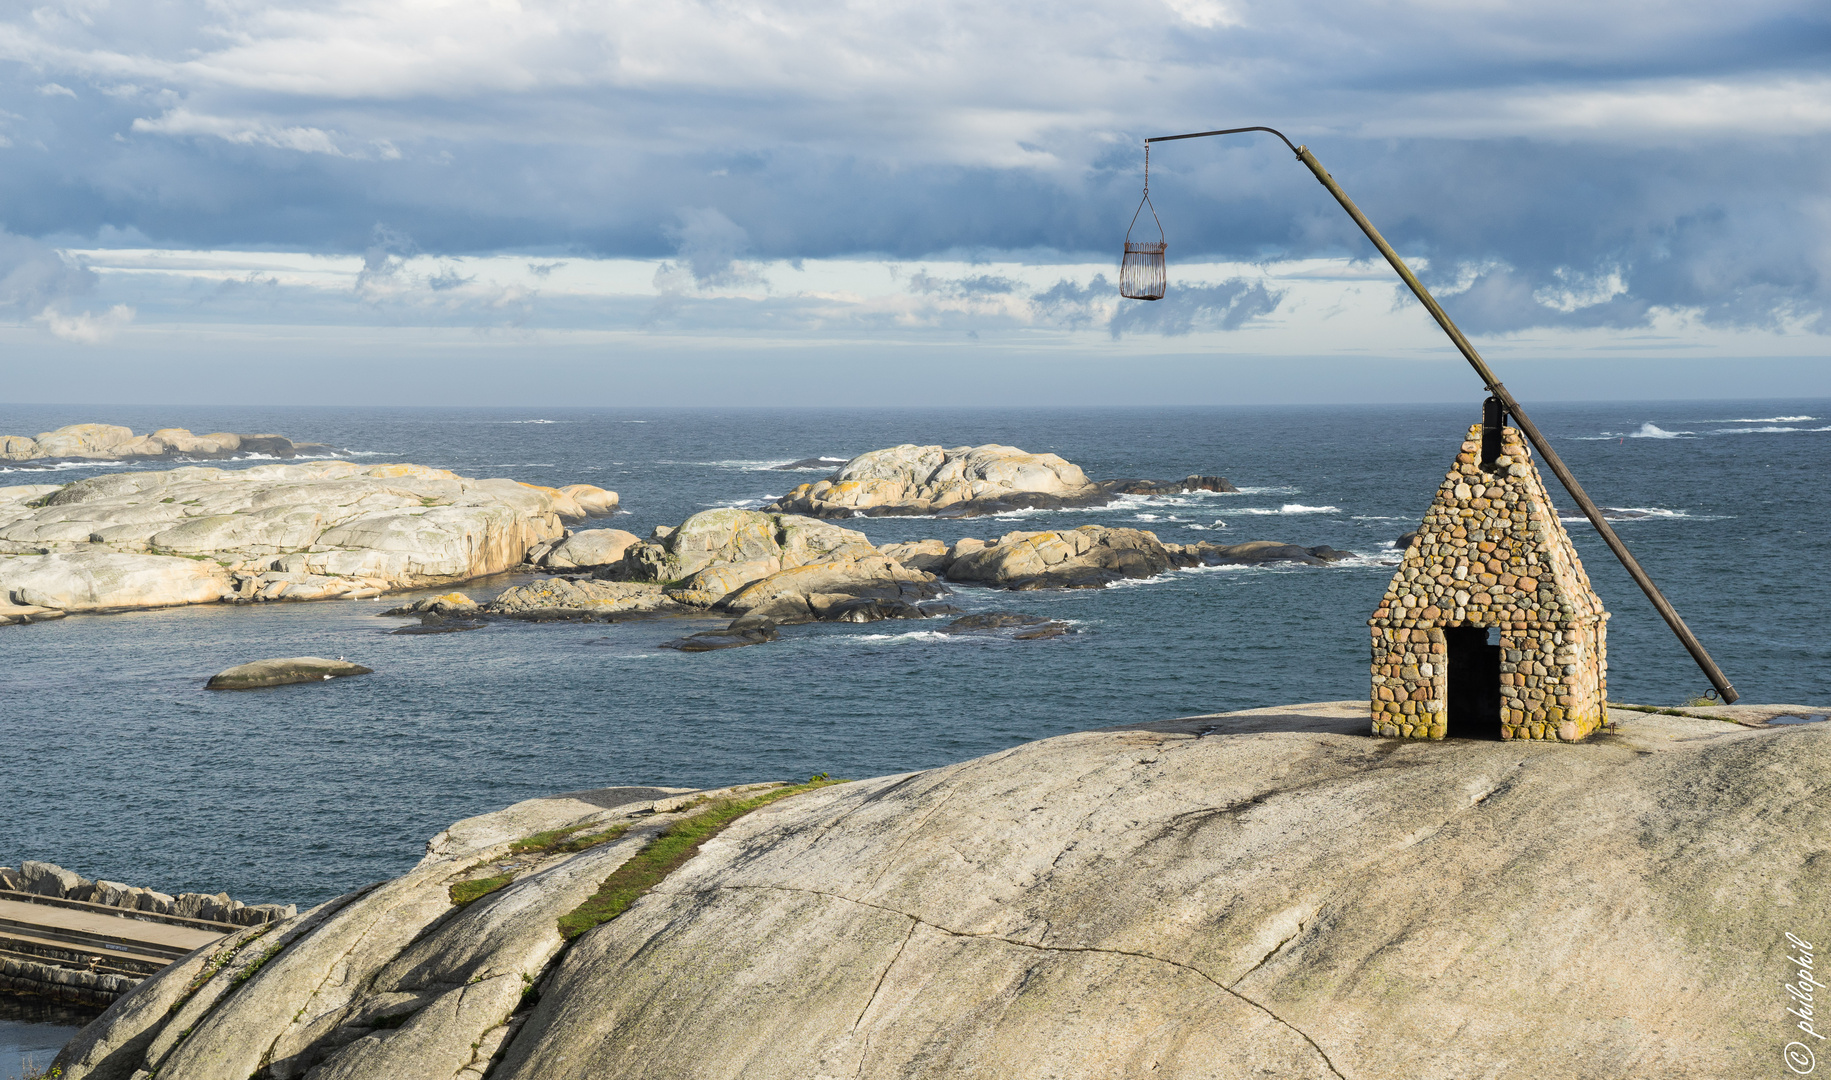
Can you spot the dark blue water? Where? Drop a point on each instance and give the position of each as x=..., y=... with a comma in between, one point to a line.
x=121, y=765
x=32, y=1031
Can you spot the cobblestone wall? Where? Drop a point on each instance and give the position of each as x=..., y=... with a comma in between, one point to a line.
x=1492, y=553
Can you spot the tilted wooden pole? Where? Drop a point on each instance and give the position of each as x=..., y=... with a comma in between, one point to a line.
x=1696, y=648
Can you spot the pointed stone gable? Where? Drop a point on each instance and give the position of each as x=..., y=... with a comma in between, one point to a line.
x=1491, y=553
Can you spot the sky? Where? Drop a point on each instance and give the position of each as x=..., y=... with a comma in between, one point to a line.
x=846, y=202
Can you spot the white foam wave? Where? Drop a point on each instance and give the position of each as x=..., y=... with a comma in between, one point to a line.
x=1763, y=420
x=1207, y=528
x=911, y=635
x=1292, y=508
x=548, y=421
x=1273, y=489
x=1766, y=430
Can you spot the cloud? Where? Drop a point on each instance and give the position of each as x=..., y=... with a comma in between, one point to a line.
x=1528, y=152
x=85, y=328
x=708, y=244
x=1226, y=306
x=34, y=276
x=306, y=140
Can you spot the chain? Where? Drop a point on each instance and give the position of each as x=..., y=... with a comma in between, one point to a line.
x=1147, y=169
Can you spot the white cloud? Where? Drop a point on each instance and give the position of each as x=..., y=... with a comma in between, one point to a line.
x=54, y=90
x=86, y=328
x=1206, y=14
x=182, y=121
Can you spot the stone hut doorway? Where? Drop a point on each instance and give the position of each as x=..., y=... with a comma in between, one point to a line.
x=1474, y=683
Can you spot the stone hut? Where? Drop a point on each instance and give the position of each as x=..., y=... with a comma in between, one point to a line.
x=1490, y=628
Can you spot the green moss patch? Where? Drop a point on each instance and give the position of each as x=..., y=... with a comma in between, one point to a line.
x=666, y=853
x=572, y=838
x=464, y=892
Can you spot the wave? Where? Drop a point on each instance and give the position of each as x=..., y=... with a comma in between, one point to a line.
x=912, y=635
x=1766, y=430
x=1292, y=508
x=1274, y=489
x=1640, y=513
x=1764, y=420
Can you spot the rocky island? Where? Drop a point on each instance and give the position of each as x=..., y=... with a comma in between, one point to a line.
x=964, y=481
x=788, y=568
x=1262, y=893
x=310, y=531
x=112, y=442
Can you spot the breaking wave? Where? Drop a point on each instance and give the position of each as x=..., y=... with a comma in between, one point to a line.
x=1291, y=508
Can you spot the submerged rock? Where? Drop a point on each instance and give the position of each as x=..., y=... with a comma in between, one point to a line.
x=440, y=624
x=1267, y=893
x=1254, y=553
x=1192, y=482
x=295, y=669
x=741, y=632
x=1009, y=624
x=811, y=463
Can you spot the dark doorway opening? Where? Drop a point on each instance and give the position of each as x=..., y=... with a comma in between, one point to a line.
x=1474, y=683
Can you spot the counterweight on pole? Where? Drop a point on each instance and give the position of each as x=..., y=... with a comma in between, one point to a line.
x=1526, y=426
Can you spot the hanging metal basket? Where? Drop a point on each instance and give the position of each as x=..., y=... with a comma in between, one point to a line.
x=1141, y=272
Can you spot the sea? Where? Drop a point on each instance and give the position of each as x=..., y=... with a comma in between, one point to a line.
x=120, y=765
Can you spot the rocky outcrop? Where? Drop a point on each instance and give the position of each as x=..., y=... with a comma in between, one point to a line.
x=1088, y=557
x=1192, y=482
x=1091, y=556
x=585, y=600
x=741, y=632
x=1254, y=553
x=315, y=531
x=782, y=567
x=587, y=549
x=1267, y=893
x=112, y=442
x=964, y=481
x=283, y=672
x=961, y=481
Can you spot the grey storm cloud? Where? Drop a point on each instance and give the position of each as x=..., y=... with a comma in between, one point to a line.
x=1552, y=164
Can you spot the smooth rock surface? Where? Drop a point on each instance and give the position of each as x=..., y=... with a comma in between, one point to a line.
x=112, y=442
x=1269, y=893
x=588, y=548
x=295, y=669
x=1088, y=557
x=561, y=598
x=313, y=531
x=911, y=479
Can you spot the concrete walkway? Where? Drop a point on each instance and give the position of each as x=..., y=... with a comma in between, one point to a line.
x=98, y=930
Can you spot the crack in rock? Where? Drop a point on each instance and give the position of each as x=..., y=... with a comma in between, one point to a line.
x=917, y=920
